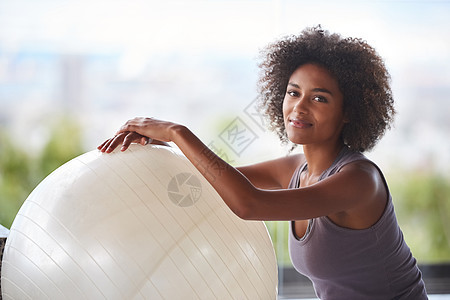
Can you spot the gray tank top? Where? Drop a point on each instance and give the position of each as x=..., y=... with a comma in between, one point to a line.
x=342, y=263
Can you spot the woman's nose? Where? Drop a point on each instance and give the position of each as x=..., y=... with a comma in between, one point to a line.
x=301, y=105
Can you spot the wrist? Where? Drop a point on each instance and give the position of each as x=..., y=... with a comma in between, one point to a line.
x=177, y=132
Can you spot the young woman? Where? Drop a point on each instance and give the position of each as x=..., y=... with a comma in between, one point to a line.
x=332, y=96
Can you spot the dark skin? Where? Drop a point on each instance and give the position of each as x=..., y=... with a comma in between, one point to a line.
x=354, y=198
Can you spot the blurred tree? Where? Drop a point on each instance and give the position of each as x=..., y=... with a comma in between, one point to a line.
x=15, y=179
x=20, y=171
x=422, y=204
x=65, y=143
x=279, y=231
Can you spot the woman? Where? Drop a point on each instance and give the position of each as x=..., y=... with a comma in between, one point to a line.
x=332, y=96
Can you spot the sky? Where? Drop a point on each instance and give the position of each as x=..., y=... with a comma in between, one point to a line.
x=206, y=52
x=144, y=27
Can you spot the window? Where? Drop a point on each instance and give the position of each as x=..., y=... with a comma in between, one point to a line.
x=174, y=59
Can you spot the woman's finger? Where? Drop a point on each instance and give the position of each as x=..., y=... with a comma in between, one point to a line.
x=129, y=138
x=115, y=141
x=145, y=140
x=105, y=145
x=102, y=144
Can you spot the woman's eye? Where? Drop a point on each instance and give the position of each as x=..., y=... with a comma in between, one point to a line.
x=319, y=99
x=292, y=93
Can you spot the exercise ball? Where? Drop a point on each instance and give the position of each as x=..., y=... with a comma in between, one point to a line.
x=139, y=224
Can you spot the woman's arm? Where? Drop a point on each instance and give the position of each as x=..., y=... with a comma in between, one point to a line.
x=355, y=186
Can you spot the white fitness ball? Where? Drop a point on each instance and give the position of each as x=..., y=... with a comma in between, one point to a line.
x=142, y=224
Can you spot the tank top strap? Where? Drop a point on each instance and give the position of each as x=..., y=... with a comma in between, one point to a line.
x=344, y=157
x=295, y=179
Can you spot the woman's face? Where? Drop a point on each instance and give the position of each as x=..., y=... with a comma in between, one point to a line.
x=313, y=107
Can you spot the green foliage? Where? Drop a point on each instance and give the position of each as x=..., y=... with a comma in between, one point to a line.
x=279, y=231
x=422, y=205
x=15, y=181
x=63, y=145
x=21, y=170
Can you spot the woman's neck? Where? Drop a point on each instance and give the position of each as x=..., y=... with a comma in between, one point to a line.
x=320, y=158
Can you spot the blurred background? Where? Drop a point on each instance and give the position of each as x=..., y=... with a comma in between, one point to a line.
x=72, y=72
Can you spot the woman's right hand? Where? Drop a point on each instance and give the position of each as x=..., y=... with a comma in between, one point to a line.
x=142, y=131
x=124, y=139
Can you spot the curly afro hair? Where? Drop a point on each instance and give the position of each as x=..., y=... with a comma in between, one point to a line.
x=359, y=70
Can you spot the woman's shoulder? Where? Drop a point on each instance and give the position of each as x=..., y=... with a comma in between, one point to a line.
x=293, y=160
x=346, y=159
x=290, y=163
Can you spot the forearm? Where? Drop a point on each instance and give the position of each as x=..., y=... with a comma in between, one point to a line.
x=234, y=188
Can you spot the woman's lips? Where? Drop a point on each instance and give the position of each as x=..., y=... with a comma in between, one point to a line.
x=299, y=123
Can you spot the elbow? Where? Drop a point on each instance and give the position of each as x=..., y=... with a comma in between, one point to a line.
x=242, y=212
x=246, y=208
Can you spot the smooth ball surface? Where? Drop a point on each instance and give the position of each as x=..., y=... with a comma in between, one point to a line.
x=142, y=224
